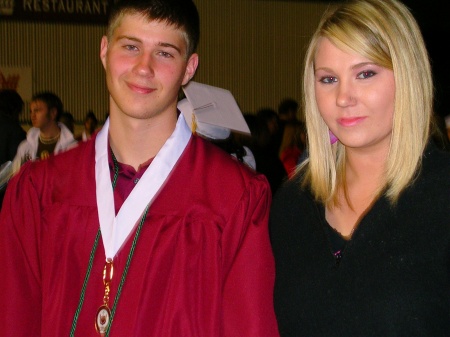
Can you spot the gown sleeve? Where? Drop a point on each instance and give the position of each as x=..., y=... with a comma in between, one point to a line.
x=20, y=295
x=249, y=267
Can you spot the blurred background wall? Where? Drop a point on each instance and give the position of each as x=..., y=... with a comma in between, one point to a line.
x=254, y=48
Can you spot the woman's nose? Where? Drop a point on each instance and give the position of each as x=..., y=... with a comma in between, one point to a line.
x=345, y=94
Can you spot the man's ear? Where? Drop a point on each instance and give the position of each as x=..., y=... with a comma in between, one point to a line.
x=190, y=68
x=53, y=114
x=103, y=50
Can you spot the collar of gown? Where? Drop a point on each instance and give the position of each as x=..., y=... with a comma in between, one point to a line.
x=116, y=229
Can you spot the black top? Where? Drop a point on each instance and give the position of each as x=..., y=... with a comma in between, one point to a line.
x=394, y=275
x=11, y=134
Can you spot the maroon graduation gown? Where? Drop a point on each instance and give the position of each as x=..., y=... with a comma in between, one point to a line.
x=202, y=266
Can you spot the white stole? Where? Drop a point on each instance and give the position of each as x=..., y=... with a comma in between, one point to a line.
x=116, y=229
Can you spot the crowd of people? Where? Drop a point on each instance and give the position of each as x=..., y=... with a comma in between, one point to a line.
x=276, y=143
x=52, y=131
x=331, y=218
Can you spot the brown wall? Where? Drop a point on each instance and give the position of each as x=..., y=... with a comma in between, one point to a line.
x=254, y=48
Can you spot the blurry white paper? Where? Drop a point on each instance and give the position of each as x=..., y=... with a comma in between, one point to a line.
x=213, y=106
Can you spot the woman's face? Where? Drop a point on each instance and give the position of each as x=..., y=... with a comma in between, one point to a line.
x=355, y=97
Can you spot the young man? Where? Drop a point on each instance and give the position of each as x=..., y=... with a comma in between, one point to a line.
x=47, y=135
x=146, y=229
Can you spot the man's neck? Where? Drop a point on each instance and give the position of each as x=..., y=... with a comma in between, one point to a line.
x=136, y=141
x=50, y=131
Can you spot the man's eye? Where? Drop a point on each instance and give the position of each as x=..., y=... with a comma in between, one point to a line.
x=165, y=54
x=130, y=47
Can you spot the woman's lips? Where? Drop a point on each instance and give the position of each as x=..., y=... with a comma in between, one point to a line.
x=350, y=121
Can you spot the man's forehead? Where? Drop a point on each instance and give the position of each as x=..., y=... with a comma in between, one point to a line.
x=38, y=103
x=137, y=23
x=137, y=16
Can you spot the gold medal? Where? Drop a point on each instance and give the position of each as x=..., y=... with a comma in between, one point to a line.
x=102, y=320
x=103, y=316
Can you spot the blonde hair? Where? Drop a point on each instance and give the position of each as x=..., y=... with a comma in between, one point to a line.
x=385, y=32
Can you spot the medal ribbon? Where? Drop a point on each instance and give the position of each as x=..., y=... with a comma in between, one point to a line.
x=115, y=229
x=113, y=239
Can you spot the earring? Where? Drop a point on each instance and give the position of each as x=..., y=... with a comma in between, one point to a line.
x=333, y=138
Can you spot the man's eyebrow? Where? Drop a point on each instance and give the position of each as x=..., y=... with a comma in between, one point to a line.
x=169, y=45
x=126, y=37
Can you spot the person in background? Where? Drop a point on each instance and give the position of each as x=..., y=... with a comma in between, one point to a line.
x=67, y=119
x=288, y=110
x=11, y=132
x=47, y=136
x=439, y=132
x=259, y=142
x=90, y=126
x=147, y=229
x=361, y=234
x=241, y=152
x=270, y=118
x=292, y=145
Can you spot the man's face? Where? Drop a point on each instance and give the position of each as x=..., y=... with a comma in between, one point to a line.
x=90, y=125
x=41, y=116
x=145, y=63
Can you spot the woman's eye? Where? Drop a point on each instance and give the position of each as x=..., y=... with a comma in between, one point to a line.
x=366, y=74
x=328, y=79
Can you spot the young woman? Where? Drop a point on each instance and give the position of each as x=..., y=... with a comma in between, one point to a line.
x=361, y=235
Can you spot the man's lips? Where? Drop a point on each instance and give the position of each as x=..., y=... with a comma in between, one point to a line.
x=140, y=89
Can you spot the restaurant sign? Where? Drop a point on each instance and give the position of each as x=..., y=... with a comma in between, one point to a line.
x=67, y=11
